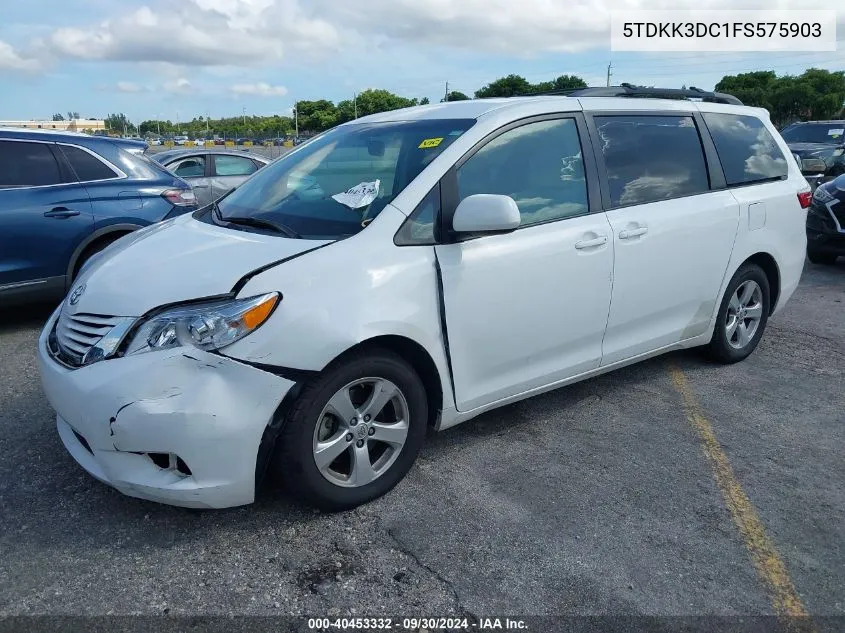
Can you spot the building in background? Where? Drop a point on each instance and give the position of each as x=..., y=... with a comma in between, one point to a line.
x=72, y=125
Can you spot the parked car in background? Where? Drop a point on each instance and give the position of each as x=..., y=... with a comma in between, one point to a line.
x=64, y=197
x=180, y=140
x=820, y=146
x=211, y=172
x=826, y=222
x=411, y=270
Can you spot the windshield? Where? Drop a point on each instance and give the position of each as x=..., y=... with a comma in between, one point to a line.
x=339, y=181
x=830, y=133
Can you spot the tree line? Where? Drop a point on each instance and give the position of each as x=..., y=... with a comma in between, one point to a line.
x=815, y=94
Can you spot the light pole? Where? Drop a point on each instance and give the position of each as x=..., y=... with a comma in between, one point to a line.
x=296, y=117
x=355, y=103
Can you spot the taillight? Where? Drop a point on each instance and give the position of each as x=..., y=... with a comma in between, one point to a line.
x=804, y=198
x=180, y=197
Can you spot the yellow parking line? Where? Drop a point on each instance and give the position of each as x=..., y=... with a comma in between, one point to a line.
x=767, y=561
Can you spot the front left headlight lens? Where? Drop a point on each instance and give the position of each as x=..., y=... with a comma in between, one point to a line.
x=207, y=326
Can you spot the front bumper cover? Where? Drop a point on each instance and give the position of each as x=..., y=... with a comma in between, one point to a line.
x=207, y=409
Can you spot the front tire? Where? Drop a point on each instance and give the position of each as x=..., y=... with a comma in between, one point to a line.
x=742, y=316
x=824, y=259
x=353, y=433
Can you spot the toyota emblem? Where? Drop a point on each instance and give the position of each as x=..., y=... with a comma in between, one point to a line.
x=76, y=294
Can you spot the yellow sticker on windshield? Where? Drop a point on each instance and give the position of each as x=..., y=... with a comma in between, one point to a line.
x=431, y=142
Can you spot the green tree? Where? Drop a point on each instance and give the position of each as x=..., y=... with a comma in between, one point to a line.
x=815, y=94
x=564, y=82
x=58, y=117
x=455, y=95
x=372, y=101
x=424, y=101
x=505, y=87
x=120, y=123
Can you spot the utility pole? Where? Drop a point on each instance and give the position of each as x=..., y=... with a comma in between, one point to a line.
x=244, y=115
x=609, y=73
x=355, y=103
x=206, y=125
x=296, y=117
x=446, y=98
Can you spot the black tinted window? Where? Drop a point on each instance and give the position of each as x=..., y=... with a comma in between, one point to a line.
x=650, y=158
x=539, y=165
x=86, y=166
x=27, y=164
x=747, y=150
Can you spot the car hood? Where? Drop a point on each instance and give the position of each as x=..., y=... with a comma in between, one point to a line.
x=173, y=261
x=811, y=149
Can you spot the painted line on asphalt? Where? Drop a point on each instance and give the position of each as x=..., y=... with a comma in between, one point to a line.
x=767, y=561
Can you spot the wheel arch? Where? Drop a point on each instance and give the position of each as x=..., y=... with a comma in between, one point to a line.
x=111, y=231
x=770, y=268
x=408, y=349
x=416, y=356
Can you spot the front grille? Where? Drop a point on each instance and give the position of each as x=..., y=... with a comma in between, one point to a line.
x=76, y=334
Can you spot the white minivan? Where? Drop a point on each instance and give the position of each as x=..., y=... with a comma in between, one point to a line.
x=411, y=270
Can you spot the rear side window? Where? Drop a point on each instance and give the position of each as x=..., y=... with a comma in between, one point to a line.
x=651, y=158
x=27, y=165
x=233, y=166
x=86, y=166
x=192, y=167
x=747, y=151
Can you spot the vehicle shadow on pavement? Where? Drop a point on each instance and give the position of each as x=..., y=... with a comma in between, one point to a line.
x=27, y=316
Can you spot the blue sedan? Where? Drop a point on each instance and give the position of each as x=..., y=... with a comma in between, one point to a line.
x=64, y=197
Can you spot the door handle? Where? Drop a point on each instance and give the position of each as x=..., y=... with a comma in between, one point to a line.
x=60, y=213
x=200, y=186
x=598, y=241
x=627, y=234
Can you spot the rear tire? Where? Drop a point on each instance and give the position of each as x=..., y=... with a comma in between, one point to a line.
x=331, y=452
x=742, y=316
x=824, y=259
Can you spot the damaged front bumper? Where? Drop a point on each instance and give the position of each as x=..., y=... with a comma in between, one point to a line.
x=179, y=426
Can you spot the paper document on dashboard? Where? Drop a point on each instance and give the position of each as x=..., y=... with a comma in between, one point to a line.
x=359, y=196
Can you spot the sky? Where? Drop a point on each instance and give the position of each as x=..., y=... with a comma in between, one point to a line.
x=177, y=59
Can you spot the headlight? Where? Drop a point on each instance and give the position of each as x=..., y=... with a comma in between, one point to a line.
x=208, y=326
x=823, y=195
x=838, y=152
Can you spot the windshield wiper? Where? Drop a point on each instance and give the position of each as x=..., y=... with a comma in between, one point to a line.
x=261, y=223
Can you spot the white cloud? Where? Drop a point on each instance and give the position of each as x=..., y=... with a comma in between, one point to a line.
x=201, y=33
x=178, y=86
x=129, y=87
x=227, y=34
x=259, y=89
x=11, y=60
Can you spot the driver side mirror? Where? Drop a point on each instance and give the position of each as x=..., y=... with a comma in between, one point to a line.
x=486, y=213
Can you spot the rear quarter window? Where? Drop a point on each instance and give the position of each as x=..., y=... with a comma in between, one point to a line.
x=86, y=166
x=747, y=150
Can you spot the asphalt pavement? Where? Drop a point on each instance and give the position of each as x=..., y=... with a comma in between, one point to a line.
x=603, y=498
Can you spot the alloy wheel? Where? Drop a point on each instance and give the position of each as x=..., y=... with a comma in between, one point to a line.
x=360, y=432
x=745, y=311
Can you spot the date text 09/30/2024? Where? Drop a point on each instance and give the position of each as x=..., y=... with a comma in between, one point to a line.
x=416, y=624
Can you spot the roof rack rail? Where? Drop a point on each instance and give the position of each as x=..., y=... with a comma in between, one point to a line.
x=629, y=90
